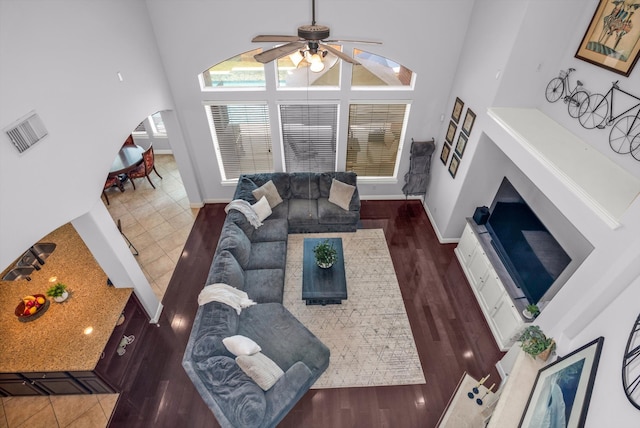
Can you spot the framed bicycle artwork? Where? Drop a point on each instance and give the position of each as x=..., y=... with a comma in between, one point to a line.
x=451, y=132
x=457, y=110
x=612, y=40
x=444, y=154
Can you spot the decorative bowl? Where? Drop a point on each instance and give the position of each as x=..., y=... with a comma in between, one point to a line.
x=40, y=309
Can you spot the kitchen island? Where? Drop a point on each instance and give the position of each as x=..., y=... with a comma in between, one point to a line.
x=69, y=348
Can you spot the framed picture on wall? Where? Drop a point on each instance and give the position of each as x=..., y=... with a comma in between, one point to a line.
x=612, y=40
x=451, y=132
x=461, y=144
x=562, y=389
x=457, y=110
x=469, y=118
x=453, y=166
x=444, y=154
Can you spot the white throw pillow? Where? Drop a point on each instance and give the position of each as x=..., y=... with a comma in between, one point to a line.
x=341, y=193
x=262, y=208
x=240, y=345
x=269, y=190
x=261, y=369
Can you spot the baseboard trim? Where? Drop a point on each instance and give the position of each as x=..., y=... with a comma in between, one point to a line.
x=156, y=317
x=441, y=239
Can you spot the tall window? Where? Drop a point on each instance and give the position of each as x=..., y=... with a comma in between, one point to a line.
x=376, y=70
x=242, y=138
x=374, y=140
x=309, y=137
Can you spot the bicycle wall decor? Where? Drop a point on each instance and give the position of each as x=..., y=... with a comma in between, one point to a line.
x=599, y=111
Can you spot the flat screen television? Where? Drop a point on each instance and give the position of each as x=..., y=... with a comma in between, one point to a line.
x=531, y=255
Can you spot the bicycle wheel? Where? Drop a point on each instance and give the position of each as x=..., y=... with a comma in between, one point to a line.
x=554, y=90
x=578, y=104
x=623, y=132
x=635, y=147
x=596, y=112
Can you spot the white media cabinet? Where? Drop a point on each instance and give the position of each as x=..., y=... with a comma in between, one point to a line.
x=500, y=299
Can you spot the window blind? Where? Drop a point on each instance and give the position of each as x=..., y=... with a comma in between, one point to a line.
x=309, y=137
x=242, y=138
x=374, y=137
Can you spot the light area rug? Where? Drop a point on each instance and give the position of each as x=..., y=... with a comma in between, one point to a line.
x=369, y=333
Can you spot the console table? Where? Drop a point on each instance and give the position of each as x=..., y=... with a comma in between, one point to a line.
x=500, y=299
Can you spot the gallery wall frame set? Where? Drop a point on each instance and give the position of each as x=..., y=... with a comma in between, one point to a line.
x=562, y=390
x=612, y=39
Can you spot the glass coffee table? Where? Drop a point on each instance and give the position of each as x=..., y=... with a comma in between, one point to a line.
x=323, y=286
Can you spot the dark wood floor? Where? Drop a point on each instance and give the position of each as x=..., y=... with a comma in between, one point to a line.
x=450, y=333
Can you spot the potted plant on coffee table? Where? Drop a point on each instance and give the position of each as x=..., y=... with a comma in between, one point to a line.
x=58, y=292
x=535, y=343
x=326, y=254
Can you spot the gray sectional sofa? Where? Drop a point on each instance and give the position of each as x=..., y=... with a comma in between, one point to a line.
x=254, y=260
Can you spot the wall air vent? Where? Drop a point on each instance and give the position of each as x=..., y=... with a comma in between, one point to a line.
x=26, y=132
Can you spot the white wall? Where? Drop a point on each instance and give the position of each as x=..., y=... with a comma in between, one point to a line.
x=64, y=57
x=219, y=30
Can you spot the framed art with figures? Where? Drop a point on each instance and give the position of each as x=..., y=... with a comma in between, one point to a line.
x=612, y=40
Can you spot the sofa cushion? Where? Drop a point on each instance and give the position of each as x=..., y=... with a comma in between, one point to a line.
x=265, y=285
x=226, y=269
x=244, y=190
x=236, y=242
x=271, y=230
x=269, y=323
x=341, y=193
x=290, y=388
x=262, y=208
x=241, y=221
x=303, y=212
x=269, y=191
x=268, y=255
x=239, y=397
x=304, y=185
x=281, y=211
x=215, y=321
x=329, y=213
x=261, y=369
x=240, y=345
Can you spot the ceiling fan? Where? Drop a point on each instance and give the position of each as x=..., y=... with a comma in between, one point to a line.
x=310, y=44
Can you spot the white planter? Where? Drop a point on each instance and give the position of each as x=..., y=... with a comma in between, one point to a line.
x=62, y=298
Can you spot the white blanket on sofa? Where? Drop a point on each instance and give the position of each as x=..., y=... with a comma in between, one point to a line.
x=245, y=208
x=226, y=294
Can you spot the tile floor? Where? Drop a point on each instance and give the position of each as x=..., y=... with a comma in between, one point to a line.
x=157, y=222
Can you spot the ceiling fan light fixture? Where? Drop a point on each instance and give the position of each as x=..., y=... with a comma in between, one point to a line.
x=296, y=58
x=317, y=66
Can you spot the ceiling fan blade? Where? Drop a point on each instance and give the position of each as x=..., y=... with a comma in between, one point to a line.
x=280, y=51
x=366, y=42
x=275, y=38
x=340, y=55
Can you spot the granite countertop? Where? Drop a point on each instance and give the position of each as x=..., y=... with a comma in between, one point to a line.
x=58, y=339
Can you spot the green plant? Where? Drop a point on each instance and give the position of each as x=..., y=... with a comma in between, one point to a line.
x=56, y=290
x=534, y=341
x=325, y=253
x=533, y=310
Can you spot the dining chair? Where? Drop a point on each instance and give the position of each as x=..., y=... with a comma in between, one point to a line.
x=129, y=141
x=111, y=181
x=145, y=168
